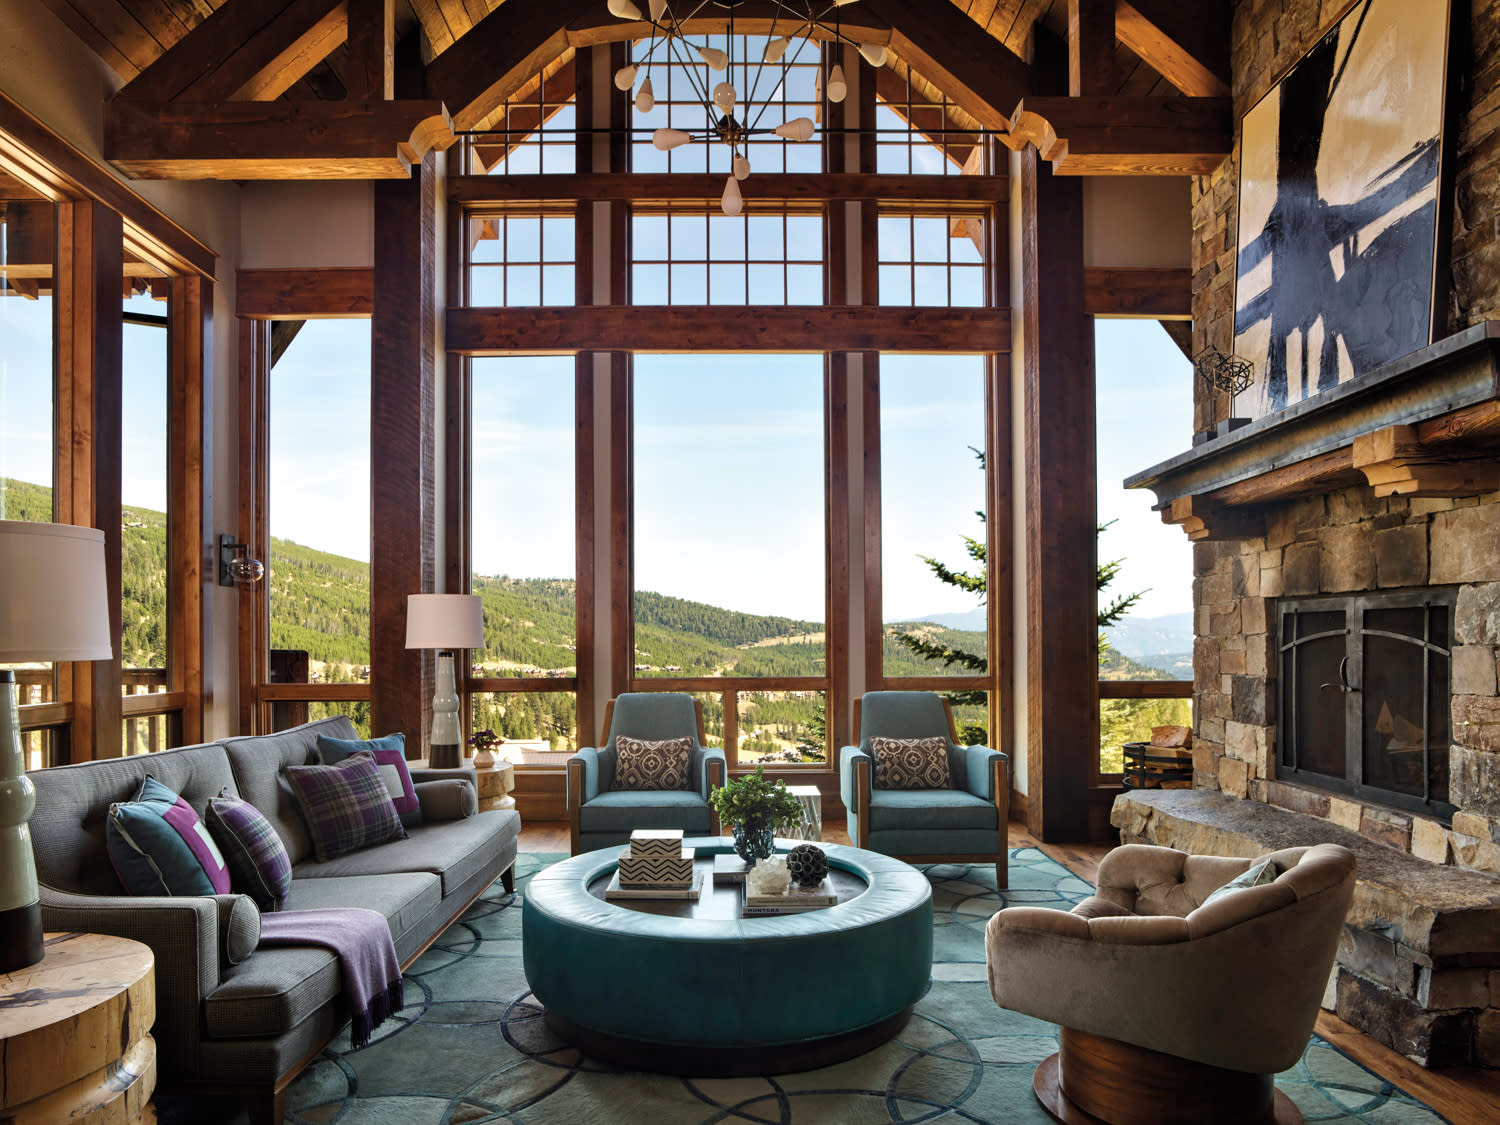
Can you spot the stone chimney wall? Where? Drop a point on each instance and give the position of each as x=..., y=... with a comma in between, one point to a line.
x=1349, y=542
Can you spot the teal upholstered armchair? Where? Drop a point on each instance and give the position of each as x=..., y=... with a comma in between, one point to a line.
x=600, y=816
x=967, y=823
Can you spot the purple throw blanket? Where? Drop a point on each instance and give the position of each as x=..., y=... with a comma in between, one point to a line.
x=367, y=957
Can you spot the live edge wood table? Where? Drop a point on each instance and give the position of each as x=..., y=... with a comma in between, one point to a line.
x=75, y=1034
x=495, y=782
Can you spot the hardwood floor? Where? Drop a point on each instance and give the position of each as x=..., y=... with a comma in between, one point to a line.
x=1466, y=1096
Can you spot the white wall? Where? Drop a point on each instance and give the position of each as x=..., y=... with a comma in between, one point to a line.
x=1137, y=221
x=46, y=69
x=307, y=224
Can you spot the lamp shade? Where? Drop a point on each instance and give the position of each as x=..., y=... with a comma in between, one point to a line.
x=444, y=621
x=52, y=593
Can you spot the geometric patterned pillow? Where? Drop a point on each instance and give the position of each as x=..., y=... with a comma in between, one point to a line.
x=158, y=846
x=258, y=863
x=347, y=807
x=641, y=765
x=910, y=763
x=1256, y=875
x=390, y=756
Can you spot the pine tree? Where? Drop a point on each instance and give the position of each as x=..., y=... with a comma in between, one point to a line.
x=976, y=583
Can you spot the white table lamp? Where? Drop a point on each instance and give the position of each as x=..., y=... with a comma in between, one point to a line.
x=52, y=607
x=444, y=622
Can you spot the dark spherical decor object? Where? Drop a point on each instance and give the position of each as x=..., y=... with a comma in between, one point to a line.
x=807, y=864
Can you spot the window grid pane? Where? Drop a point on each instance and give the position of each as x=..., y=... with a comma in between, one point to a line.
x=521, y=260
x=920, y=132
x=535, y=132
x=685, y=256
x=681, y=81
x=932, y=259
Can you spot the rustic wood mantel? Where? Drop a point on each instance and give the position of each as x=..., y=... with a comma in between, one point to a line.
x=1426, y=425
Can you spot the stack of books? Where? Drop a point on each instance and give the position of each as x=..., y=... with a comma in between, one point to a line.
x=655, y=865
x=795, y=901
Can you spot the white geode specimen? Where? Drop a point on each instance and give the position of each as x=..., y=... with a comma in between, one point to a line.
x=769, y=876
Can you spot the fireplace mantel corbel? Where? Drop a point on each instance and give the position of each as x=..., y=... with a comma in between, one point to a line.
x=1425, y=425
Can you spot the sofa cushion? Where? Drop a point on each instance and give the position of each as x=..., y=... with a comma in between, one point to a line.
x=72, y=802
x=928, y=809
x=258, y=863
x=623, y=810
x=651, y=764
x=390, y=756
x=278, y=988
x=347, y=806
x=257, y=762
x=453, y=850
x=159, y=846
x=910, y=763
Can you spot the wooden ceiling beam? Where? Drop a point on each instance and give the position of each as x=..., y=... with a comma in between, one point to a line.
x=256, y=45
x=1091, y=47
x=371, y=71
x=1187, y=44
x=976, y=71
x=706, y=328
x=811, y=188
x=1122, y=136
x=1157, y=294
x=273, y=140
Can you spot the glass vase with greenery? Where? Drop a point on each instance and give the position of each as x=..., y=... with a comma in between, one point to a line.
x=756, y=809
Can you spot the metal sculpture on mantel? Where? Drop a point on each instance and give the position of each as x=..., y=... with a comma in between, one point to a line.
x=1229, y=373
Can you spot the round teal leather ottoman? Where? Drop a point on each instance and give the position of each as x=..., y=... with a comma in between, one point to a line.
x=728, y=996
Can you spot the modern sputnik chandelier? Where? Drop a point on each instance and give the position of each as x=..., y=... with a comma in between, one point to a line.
x=733, y=120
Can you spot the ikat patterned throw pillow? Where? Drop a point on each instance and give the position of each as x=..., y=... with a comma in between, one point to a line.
x=640, y=764
x=910, y=763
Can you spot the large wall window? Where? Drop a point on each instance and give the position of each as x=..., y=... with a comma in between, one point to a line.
x=932, y=523
x=1144, y=386
x=144, y=566
x=730, y=556
x=317, y=581
x=690, y=257
x=523, y=555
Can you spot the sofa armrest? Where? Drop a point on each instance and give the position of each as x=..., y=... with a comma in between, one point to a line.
x=458, y=773
x=450, y=799
x=713, y=768
x=239, y=927
x=183, y=935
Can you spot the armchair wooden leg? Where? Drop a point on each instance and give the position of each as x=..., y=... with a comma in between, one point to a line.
x=1002, y=873
x=508, y=879
x=1094, y=1080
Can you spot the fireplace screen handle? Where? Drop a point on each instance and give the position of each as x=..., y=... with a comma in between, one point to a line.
x=1343, y=685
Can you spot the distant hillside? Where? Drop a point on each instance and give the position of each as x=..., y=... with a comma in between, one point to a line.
x=1143, y=637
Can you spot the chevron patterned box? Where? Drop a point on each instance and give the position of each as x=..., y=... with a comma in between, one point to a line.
x=656, y=870
x=664, y=842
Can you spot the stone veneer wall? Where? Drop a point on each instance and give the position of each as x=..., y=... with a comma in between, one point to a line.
x=1268, y=36
x=1349, y=542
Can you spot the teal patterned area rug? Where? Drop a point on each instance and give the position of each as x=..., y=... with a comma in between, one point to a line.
x=472, y=1047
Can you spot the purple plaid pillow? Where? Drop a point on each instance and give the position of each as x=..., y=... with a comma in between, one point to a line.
x=258, y=863
x=347, y=807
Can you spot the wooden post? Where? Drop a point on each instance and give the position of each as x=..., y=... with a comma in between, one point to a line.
x=403, y=372
x=1059, y=468
x=90, y=259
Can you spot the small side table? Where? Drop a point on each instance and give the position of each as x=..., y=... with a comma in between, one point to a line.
x=495, y=784
x=75, y=1029
x=811, y=798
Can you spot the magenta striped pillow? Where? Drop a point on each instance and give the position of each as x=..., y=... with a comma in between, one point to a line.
x=158, y=846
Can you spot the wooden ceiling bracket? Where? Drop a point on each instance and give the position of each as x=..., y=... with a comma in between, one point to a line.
x=1203, y=519
x=1124, y=136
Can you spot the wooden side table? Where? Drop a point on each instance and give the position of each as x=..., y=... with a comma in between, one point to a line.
x=495, y=784
x=75, y=1033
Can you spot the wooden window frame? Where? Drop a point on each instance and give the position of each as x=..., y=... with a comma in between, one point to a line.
x=96, y=212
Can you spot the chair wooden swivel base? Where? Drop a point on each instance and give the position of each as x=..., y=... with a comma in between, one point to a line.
x=1093, y=1080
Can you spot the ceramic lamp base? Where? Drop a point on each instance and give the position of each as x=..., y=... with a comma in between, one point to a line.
x=445, y=757
x=20, y=937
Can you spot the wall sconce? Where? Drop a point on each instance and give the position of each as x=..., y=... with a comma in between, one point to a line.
x=236, y=567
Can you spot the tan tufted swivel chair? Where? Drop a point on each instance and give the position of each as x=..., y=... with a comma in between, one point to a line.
x=1172, y=1010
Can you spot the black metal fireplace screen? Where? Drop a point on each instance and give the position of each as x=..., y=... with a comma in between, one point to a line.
x=1364, y=696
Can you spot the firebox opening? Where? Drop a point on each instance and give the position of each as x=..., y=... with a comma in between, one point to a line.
x=1364, y=697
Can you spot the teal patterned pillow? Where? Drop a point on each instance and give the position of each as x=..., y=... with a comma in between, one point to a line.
x=1257, y=875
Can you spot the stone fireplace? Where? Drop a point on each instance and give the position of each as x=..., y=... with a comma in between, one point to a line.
x=1347, y=596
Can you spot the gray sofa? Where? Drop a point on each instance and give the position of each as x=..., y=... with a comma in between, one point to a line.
x=247, y=1029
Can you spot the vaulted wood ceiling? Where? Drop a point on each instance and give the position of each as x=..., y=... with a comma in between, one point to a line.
x=282, y=88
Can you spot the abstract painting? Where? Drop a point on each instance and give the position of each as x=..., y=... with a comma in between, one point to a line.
x=1339, y=200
